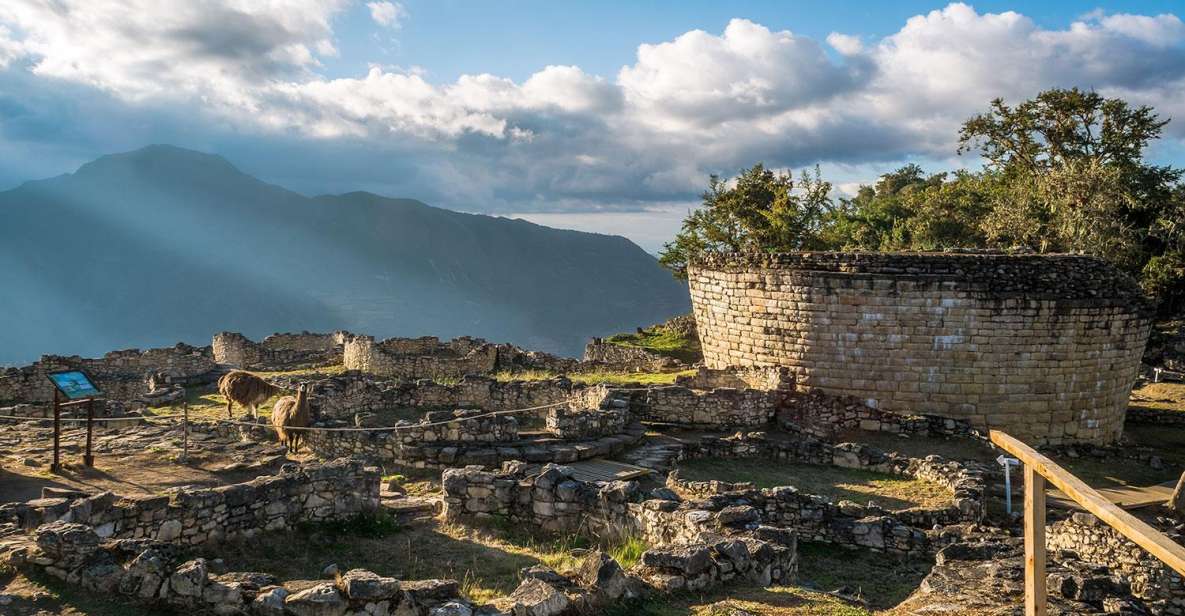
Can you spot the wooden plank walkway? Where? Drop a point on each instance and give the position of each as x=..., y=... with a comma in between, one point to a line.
x=1127, y=497
x=599, y=469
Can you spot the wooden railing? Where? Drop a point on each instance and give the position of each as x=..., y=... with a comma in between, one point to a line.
x=1038, y=470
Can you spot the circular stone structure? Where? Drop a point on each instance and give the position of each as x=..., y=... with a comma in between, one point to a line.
x=1044, y=347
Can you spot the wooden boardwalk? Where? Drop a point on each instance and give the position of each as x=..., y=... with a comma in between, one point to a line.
x=1127, y=497
x=599, y=469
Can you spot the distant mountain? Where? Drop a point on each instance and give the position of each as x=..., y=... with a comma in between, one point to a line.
x=165, y=244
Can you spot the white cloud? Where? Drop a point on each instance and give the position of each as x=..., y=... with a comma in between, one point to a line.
x=387, y=14
x=699, y=103
x=845, y=44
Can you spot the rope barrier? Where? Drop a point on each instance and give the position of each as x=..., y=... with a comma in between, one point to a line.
x=417, y=426
x=403, y=427
x=84, y=420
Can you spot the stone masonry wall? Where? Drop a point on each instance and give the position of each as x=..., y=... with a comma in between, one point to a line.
x=1096, y=542
x=723, y=407
x=120, y=375
x=967, y=485
x=1045, y=347
x=311, y=493
x=420, y=358
x=279, y=351
x=627, y=358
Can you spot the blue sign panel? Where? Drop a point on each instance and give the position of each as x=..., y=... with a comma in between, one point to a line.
x=74, y=384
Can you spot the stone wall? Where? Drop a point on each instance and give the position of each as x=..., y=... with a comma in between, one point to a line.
x=311, y=493
x=632, y=359
x=1094, y=541
x=1045, y=347
x=464, y=426
x=825, y=416
x=745, y=377
x=715, y=408
x=279, y=351
x=387, y=446
x=1155, y=416
x=121, y=375
x=417, y=358
x=155, y=573
x=584, y=423
x=967, y=485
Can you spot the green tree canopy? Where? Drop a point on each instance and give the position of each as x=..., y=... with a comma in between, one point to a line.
x=759, y=210
x=1063, y=172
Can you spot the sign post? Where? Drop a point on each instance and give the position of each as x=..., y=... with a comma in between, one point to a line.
x=57, y=433
x=88, y=458
x=76, y=388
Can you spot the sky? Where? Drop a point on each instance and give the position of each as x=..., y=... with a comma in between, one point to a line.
x=602, y=116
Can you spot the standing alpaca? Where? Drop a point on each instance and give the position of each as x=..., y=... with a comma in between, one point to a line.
x=292, y=412
x=246, y=390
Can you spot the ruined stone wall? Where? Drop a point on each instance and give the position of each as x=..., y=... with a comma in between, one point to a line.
x=1045, y=347
x=279, y=351
x=420, y=357
x=825, y=416
x=967, y=485
x=627, y=358
x=343, y=396
x=311, y=493
x=120, y=375
x=715, y=408
x=1096, y=542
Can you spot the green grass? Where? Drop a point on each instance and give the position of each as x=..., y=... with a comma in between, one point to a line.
x=628, y=550
x=880, y=579
x=859, y=486
x=732, y=600
x=628, y=378
x=663, y=341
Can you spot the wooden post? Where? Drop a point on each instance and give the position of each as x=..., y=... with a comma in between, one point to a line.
x=57, y=434
x=185, y=431
x=88, y=458
x=1035, y=595
x=1177, y=500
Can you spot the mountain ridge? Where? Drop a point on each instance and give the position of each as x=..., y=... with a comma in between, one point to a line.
x=164, y=244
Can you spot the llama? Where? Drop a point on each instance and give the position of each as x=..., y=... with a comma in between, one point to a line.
x=292, y=412
x=246, y=390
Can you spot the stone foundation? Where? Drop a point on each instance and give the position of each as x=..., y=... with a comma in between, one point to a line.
x=310, y=493
x=1094, y=541
x=417, y=358
x=121, y=375
x=1044, y=347
x=967, y=485
x=279, y=351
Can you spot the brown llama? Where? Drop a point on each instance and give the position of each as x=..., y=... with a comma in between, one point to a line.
x=246, y=390
x=292, y=412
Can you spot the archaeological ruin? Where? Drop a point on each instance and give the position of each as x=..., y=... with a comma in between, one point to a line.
x=1045, y=347
x=813, y=365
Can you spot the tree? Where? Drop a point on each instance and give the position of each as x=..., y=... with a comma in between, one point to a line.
x=1067, y=173
x=758, y=211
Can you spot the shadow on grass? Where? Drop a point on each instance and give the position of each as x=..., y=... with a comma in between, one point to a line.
x=856, y=485
x=37, y=593
x=486, y=567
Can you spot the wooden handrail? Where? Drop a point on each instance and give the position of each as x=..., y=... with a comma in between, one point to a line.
x=1039, y=469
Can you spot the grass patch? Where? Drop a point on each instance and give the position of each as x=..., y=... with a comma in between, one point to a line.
x=860, y=486
x=1164, y=396
x=628, y=378
x=662, y=341
x=880, y=579
x=367, y=525
x=597, y=377
x=628, y=551
x=485, y=563
x=333, y=370
x=773, y=601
